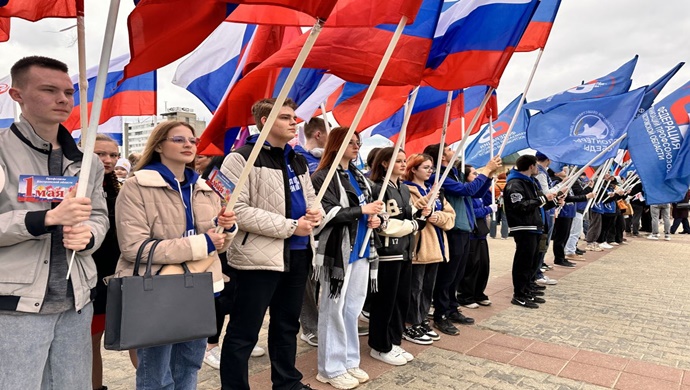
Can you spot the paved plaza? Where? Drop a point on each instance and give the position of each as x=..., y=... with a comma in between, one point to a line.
x=620, y=319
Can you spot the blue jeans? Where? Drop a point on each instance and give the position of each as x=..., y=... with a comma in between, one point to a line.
x=575, y=232
x=46, y=351
x=170, y=367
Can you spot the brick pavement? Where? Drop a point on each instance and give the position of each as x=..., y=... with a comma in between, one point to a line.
x=618, y=320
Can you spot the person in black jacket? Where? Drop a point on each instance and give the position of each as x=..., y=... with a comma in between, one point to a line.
x=390, y=303
x=344, y=261
x=524, y=204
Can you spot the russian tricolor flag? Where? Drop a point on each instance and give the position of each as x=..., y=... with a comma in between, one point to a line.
x=474, y=41
x=134, y=97
x=217, y=64
x=539, y=28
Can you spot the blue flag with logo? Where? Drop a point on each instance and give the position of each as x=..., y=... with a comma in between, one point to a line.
x=614, y=83
x=576, y=132
x=657, y=145
x=654, y=88
x=479, y=150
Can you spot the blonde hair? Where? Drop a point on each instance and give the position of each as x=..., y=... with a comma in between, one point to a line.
x=158, y=135
x=106, y=138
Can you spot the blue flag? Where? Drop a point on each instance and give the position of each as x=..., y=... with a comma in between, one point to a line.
x=576, y=132
x=614, y=83
x=655, y=144
x=479, y=150
x=654, y=88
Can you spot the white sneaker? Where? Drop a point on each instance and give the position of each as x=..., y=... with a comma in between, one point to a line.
x=258, y=351
x=212, y=357
x=472, y=305
x=545, y=280
x=604, y=245
x=613, y=243
x=393, y=358
x=408, y=356
x=343, y=381
x=653, y=237
x=667, y=237
x=310, y=338
x=358, y=374
x=593, y=248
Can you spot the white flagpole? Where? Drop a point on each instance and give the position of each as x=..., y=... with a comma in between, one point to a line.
x=491, y=154
x=83, y=80
x=446, y=119
x=480, y=111
x=360, y=111
x=89, y=138
x=391, y=164
x=462, y=144
x=597, y=186
x=519, y=107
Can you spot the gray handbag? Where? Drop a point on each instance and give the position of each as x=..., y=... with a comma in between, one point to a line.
x=150, y=310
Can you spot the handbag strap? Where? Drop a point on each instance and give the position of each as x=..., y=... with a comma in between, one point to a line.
x=140, y=252
x=150, y=259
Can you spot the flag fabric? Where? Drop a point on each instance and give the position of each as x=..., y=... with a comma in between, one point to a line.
x=427, y=115
x=678, y=105
x=655, y=88
x=217, y=64
x=539, y=28
x=354, y=54
x=385, y=102
x=113, y=128
x=134, y=97
x=614, y=83
x=6, y=103
x=156, y=41
x=658, y=146
x=34, y=10
x=347, y=13
x=478, y=152
x=328, y=85
x=4, y=29
x=576, y=132
x=474, y=41
x=471, y=100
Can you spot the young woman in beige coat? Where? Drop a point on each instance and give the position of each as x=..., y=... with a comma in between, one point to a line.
x=165, y=199
x=431, y=248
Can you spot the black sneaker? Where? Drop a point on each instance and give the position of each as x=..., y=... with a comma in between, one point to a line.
x=429, y=331
x=565, y=263
x=536, y=293
x=415, y=334
x=534, y=286
x=445, y=326
x=536, y=299
x=524, y=302
x=459, y=318
x=578, y=251
x=302, y=386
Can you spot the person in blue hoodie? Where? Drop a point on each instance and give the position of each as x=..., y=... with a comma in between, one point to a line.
x=166, y=200
x=525, y=206
x=459, y=194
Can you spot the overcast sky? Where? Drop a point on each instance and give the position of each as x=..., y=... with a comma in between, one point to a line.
x=589, y=39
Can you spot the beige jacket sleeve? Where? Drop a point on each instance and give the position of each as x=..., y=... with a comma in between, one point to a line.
x=133, y=228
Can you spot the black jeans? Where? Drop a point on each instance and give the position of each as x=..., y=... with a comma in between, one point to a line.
x=389, y=304
x=676, y=224
x=607, y=227
x=560, y=235
x=450, y=273
x=476, y=276
x=421, y=290
x=636, y=217
x=256, y=291
x=524, y=261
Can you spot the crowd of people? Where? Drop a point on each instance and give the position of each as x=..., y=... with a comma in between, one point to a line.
x=383, y=252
